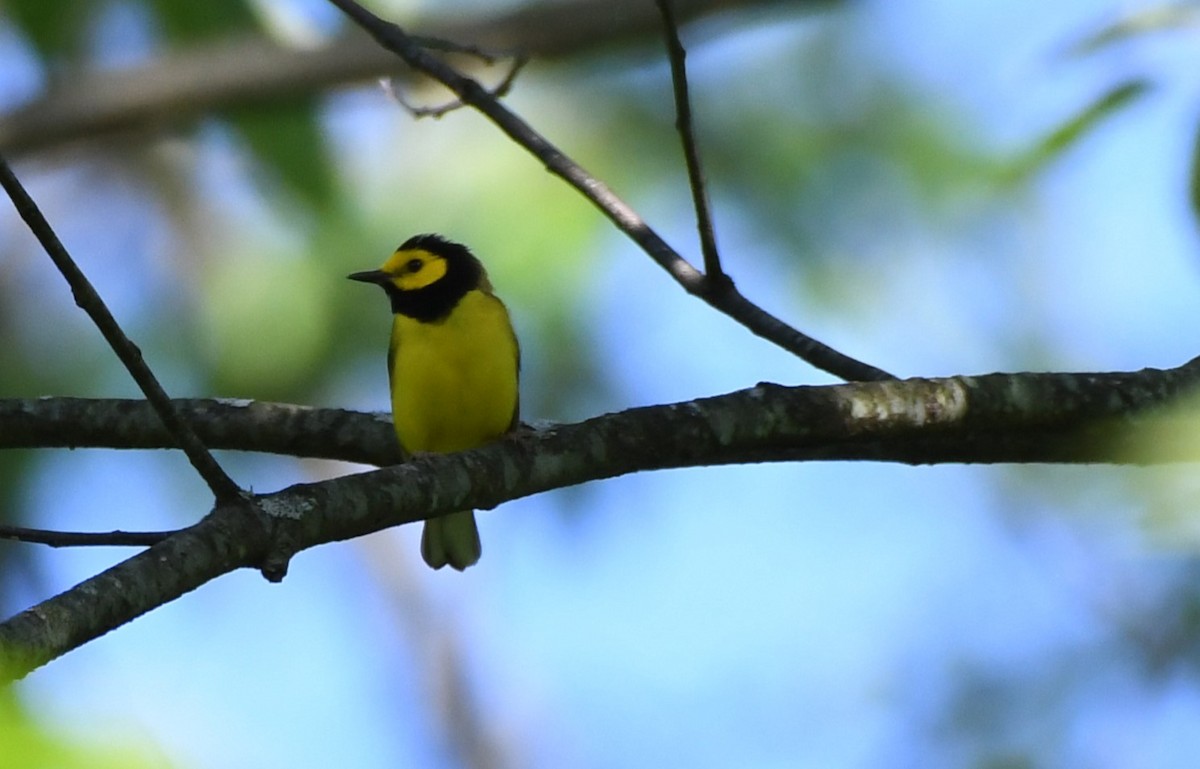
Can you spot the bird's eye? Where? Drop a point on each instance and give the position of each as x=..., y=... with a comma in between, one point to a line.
x=413, y=265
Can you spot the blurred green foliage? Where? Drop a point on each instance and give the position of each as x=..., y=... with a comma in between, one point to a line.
x=27, y=744
x=192, y=22
x=56, y=29
x=286, y=137
x=1064, y=136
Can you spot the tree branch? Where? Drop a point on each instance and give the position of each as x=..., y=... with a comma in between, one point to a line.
x=89, y=301
x=1139, y=417
x=721, y=295
x=1013, y=418
x=239, y=425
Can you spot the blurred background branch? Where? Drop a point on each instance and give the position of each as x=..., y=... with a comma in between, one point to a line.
x=181, y=85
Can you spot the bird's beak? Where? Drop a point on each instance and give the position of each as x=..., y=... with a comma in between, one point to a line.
x=371, y=276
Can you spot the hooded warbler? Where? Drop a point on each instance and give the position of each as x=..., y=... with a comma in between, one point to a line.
x=453, y=363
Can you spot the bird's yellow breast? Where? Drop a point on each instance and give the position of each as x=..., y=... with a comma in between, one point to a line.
x=454, y=381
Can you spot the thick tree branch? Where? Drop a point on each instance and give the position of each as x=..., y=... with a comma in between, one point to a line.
x=89, y=301
x=1013, y=418
x=1116, y=417
x=719, y=294
x=240, y=425
x=184, y=85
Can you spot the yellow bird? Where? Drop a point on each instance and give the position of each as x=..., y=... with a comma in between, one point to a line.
x=453, y=365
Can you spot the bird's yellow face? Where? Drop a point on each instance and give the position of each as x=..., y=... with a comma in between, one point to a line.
x=411, y=269
x=427, y=276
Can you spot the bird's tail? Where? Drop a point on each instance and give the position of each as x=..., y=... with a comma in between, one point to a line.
x=451, y=539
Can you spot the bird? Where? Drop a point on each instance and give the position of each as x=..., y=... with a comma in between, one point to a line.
x=453, y=368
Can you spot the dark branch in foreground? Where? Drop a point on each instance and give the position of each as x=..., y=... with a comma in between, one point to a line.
x=89, y=301
x=1139, y=417
x=721, y=295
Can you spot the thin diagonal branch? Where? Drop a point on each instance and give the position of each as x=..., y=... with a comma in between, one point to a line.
x=89, y=301
x=691, y=153
x=723, y=297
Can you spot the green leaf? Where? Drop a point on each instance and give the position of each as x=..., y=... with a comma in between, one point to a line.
x=55, y=28
x=189, y=20
x=1075, y=128
x=1167, y=17
x=28, y=744
x=1194, y=182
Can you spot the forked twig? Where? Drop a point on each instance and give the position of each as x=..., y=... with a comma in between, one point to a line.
x=499, y=92
x=222, y=486
x=723, y=296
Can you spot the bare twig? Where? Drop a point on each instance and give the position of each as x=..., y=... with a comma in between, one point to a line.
x=89, y=301
x=691, y=153
x=722, y=296
x=83, y=539
x=499, y=92
x=449, y=46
